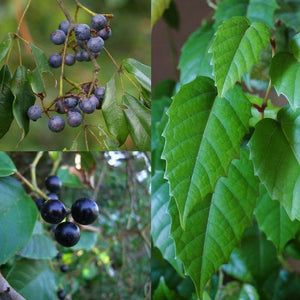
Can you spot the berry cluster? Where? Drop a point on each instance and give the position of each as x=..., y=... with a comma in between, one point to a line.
x=86, y=43
x=84, y=211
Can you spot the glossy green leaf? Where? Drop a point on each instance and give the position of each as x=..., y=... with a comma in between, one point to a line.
x=68, y=179
x=161, y=221
x=274, y=221
x=5, y=45
x=157, y=9
x=18, y=214
x=33, y=279
x=236, y=49
x=216, y=224
x=279, y=170
x=141, y=72
x=7, y=167
x=284, y=72
x=195, y=59
x=24, y=98
x=163, y=292
x=139, y=122
x=113, y=114
x=294, y=46
x=87, y=241
x=202, y=136
x=6, y=100
x=289, y=13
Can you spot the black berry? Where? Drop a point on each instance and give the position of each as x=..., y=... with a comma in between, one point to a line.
x=64, y=268
x=34, y=112
x=53, y=196
x=82, y=32
x=98, y=22
x=67, y=234
x=53, y=184
x=39, y=202
x=74, y=118
x=55, y=60
x=61, y=294
x=59, y=255
x=53, y=211
x=56, y=124
x=85, y=211
x=58, y=37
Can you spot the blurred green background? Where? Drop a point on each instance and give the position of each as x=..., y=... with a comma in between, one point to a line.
x=130, y=38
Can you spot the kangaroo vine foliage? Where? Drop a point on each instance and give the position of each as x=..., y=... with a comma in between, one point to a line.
x=226, y=159
x=122, y=103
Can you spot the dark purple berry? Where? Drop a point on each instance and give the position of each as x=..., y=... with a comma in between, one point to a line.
x=87, y=106
x=85, y=211
x=53, y=196
x=64, y=268
x=95, y=44
x=70, y=102
x=55, y=60
x=64, y=26
x=95, y=100
x=74, y=118
x=99, y=93
x=82, y=32
x=61, y=294
x=39, y=202
x=98, y=22
x=67, y=234
x=53, y=211
x=70, y=59
x=34, y=112
x=59, y=108
x=53, y=184
x=58, y=37
x=105, y=33
x=56, y=124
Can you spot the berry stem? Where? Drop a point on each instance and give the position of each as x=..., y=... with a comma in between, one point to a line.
x=84, y=8
x=112, y=59
x=56, y=164
x=65, y=11
x=33, y=168
x=23, y=15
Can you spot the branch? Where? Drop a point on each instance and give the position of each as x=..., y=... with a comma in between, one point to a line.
x=7, y=292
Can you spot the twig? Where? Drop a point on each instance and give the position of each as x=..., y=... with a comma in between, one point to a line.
x=33, y=168
x=98, y=184
x=7, y=292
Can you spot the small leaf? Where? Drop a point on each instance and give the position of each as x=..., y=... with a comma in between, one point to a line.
x=139, y=122
x=33, y=279
x=141, y=72
x=68, y=179
x=195, y=59
x=6, y=100
x=294, y=46
x=236, y=49
x=4, y=46
x=162, y=292
x=18, y=214
x=7, y=167
x=88, y=160
x=157, y=9
x=202, y=136
x=284, y=75
x=280, y=167
x=113, y=114
x=24, y=98
x=274, y=221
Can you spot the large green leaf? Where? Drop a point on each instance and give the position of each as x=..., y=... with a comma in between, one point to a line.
x=33, y=279
x=18, y=214
x=274, y=221
x=6, y=100
x=139, y=122
x=161, y=221
x=7, y=167
x=289, y=13
x=275, y=152
x=157, y=9
x=113, y=113
x=202, y=136
x=141, y=72
x=195, y=59
x=236, y=49
x=5, y=45
x=216, y=224
x=294, y=46
x=24, y=98
x=285, y=72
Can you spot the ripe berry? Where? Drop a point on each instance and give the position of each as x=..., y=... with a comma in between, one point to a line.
x=86, y=88
x=105, y=33
x=99, y=93
x=74, y=118
x=58, y=37
x=61, y=294
x=70, y=59
x=34, y=112
x=64, y=26
x=53, y=211
x=67, y=234
x=56, y=124
x=87, y=106
x=95, y=100
x=95, y=44
x=82, y=32
x=53, y=196
x=59, y=108
x=98, y=22
x=55, y=60
x=59, y=255
x=78, y=56
x=64, y=268
x=70, y=102
x=85, y=211
x=39, y=202
x=53, y=184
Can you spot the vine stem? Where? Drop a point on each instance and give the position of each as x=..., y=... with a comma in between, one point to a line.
x=65, y=11
x=23, y=15
x=56, y=164
x=7, y=292
x=33, y=168
x=84, y=8
x=111, y=58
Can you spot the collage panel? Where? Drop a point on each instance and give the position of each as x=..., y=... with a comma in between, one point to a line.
x=75, y=225
x=225, y=203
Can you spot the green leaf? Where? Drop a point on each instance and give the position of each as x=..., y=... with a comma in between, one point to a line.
x=171, y=16
x=7, y=167
x=236, y=49
x=33, y=279
x=113, y=114
x=202, y=136
x=6, y=100
x=280, y=167
x=157, y=9
x=141, y=72
x=68, y=179
x=274, y=221
x=216, y=224
x=87, y=241
x=163, y=292
x=24, y=98
x=284, y=75
x=139, y=122
x=289, y=13
x=163, y=88
x=161, y=221
x=88, y=160
x=294, y=46
x=195, y=59
x=18, y=214
x=4, y=46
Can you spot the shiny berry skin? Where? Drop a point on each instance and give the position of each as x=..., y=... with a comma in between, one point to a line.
x=53, y=184
x=85, y=211
x=39, y=202
x=34, y=112
x=67, y=234
x=56, y=124
x=53, y=196
x=53, y=211
x=64, y=268
x=61, y=294
x=98, y=22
